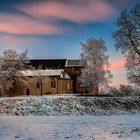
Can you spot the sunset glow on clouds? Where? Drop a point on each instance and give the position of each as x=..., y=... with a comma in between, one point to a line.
x=55, y=28
x=92, y=10
x=117, y=64
x=119, y=75
x=21, y=25
x=43, y=16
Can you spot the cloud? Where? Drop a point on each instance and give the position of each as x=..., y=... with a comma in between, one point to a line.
x=16, y=24
x=33, y=17
x=92, y=10
x=117, y=64
x=10, y=40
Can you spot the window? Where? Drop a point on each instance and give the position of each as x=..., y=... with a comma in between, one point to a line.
x=68, y=85
x=53, y=83
x=37, y=85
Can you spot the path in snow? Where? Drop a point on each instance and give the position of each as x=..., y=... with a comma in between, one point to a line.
x=70, y=128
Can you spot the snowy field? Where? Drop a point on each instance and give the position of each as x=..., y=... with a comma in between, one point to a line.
x=69, y=118
x=122, y=127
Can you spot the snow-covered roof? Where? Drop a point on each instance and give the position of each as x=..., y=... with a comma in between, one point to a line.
x=46, y=72
x=64, y=75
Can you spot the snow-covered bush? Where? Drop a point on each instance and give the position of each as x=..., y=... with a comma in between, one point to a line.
x=123, y=90
x=136, y=91
x=113, y=91
x=126, y=90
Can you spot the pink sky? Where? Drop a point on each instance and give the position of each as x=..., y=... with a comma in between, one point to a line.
x=55, y=28
x=117, y=64
x=119, y=73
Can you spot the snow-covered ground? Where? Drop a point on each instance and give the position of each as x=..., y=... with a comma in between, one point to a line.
x=115, y=127
x=68, y=105
x=69, y=118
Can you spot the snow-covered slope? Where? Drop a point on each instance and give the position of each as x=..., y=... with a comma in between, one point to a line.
x=68, y=105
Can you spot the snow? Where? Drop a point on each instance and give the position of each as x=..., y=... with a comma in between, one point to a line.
x=70, y=127
x=62, y=117
x=68, y=105
x=46, y=72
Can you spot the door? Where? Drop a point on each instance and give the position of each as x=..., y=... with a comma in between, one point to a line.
x=27, y=91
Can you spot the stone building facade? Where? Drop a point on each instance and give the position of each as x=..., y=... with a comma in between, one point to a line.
x=59, y=76
x=54, y=82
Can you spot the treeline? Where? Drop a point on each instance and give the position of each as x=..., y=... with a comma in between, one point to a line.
x=121, y=91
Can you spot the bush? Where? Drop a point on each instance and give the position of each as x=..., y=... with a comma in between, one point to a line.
x=136, y=91
x=113, y=91
x=126, y=90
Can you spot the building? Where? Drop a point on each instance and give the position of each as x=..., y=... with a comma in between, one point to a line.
x=59, y=76
x=71, y=67
x=56, y=76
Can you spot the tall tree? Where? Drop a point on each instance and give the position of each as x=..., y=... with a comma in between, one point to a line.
x=127, y=38
x=11, y=62
x=96, y=71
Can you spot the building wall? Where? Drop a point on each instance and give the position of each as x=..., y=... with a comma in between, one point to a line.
x=74, y=73
x=65, y=86
x=32, y=88
x=16, y=91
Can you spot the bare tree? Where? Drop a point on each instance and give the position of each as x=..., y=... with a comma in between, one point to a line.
x=95, y=60
x=127, y=34
x=11, y=62
x=40, y=76
x=127, y=38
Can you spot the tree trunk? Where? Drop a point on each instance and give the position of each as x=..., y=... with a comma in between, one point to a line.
x=94, y=90
x=41, y=88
